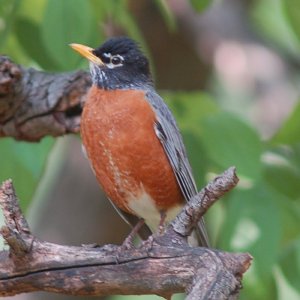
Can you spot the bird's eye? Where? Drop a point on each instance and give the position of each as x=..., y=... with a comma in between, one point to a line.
x=116, y=60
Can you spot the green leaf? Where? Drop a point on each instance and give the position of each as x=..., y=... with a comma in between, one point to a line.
x=289, y=133
x=105, y=8
x=290, y=264
x=29, y=37
x=200, y=5
x=36, y=14
x=8, y=11
x=259, y=287
x=197, y=156
x=24, y=163
x=66, y=22
x=231, y=142
x=284, y=178
x=292, y=10
x=253, y=225
x=282, y=174
x=290, y=216
x=275, y=25
x=190, y=108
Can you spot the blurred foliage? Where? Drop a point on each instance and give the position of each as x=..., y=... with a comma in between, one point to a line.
x=262, y=214
x=24, y=164
x=200, y=5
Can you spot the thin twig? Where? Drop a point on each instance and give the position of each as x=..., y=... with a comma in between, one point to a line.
x=198, y=205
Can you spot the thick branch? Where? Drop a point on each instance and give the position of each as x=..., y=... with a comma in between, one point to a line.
x=164, y=266
x=34, y=104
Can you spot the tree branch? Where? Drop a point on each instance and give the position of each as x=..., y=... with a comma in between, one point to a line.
x=164, y=266
x=34, y=104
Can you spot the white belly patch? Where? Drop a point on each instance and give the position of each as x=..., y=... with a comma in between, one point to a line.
x=143, y=206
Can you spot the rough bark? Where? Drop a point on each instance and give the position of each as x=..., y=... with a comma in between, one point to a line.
x=34, y=103
x=163, y=265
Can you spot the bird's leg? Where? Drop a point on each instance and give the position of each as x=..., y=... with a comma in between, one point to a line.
x=161, y=225
x=128, y=242
x=148, y=244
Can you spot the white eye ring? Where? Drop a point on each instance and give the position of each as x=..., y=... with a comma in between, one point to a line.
x=115, y=61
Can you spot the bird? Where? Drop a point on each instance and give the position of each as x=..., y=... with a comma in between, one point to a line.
x=132, y=140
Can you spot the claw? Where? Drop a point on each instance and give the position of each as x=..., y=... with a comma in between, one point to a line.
x=128, y=242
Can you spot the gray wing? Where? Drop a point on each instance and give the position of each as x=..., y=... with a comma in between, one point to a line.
x=168, y=133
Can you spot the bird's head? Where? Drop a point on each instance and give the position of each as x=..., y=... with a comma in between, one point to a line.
x=117, y=64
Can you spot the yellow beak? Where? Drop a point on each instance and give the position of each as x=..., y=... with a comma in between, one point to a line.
x=87, y=52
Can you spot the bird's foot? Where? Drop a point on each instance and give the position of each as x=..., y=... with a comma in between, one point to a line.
x=128, y=242
x=162, y=224
x=148, y=244
x=161, y=230
x=126, y=245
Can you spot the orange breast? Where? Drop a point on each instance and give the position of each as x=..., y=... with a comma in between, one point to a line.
x=117, y=129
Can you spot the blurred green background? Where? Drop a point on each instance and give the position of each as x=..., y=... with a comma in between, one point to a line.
x=229, y=70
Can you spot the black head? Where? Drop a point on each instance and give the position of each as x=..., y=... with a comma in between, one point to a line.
x=117, y=64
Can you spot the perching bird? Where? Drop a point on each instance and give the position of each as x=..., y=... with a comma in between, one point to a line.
x=131, y=137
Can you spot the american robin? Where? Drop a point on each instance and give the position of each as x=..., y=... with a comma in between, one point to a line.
x=131, y=137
